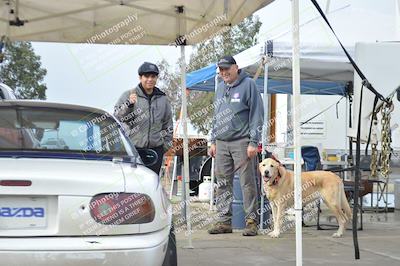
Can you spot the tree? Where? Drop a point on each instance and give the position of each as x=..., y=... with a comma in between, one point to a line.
x=22, y=71
x=169, y=83
x=231, y=41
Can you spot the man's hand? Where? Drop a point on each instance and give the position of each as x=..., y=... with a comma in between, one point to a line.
x=213, y=150
x=251, y=151
x=132, y=98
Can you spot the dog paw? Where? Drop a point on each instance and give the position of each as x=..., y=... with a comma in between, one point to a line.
x=274, y=234
x=336, y=235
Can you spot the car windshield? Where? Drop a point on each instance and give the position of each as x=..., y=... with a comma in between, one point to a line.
x=61, y=130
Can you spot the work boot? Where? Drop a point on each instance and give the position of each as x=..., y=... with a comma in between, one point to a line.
x=220, y=228
x=251, y=228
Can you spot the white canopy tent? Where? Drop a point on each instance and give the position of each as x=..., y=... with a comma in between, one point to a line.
x=167, y=22
x=326, y=63
x=321, y=58
x=103, y=21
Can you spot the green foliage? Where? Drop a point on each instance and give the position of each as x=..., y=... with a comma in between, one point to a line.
x=231, y=40
x=22, y=71
x=169, y=82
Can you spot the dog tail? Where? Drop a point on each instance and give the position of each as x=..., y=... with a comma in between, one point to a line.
x=345, y=204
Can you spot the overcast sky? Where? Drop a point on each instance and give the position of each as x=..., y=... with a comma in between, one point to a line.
x=96, y=75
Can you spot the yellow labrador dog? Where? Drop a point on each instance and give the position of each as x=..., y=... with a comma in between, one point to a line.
x=278, y=184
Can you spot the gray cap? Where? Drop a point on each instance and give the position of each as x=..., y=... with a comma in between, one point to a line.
x=148, y=68
x=226, y=61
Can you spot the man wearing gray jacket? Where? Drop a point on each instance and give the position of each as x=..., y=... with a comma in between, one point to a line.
x=237, y=125
x=146, y=114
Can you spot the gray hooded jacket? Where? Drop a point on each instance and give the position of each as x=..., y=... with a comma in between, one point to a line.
x=149, y=121
x=238, y=111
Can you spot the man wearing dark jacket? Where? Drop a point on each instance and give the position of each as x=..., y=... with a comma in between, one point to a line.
x=237, y=125
x=146, y=114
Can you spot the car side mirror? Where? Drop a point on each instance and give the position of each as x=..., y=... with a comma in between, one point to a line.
x=149, y=157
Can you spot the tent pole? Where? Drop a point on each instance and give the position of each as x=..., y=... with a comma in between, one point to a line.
x=186, y=176
x=264, y=139
x=185, y=148
x=173, y=178
x=289, y=118
x=398, y=17
x=296, y=130
x=346, y=146
x=213, y=159
x=328, y=5
x=212, y=184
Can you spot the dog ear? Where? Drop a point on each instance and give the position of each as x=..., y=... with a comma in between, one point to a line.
x=281, y=170
x=274, y=158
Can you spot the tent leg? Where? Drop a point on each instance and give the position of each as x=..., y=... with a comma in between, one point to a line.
x=398, y=17
x=212, y=184
x=289, y=117
x=296, y=130
x=346, y=140
x=357, y=181
x=174, y=185
x=185, y=149
x=213, y=160
x=264, y=141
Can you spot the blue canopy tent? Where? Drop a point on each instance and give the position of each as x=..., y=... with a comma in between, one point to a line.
x=324, y=69
x=204, y=80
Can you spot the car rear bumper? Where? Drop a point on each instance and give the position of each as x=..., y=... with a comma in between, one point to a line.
x=145, y=249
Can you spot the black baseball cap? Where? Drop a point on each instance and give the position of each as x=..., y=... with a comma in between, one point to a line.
x=226, y=61
x=148, y=68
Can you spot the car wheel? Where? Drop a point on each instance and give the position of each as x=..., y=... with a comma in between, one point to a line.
x=171, y=258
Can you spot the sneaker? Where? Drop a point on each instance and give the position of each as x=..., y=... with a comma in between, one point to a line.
x=220, y=228
x=251, y=228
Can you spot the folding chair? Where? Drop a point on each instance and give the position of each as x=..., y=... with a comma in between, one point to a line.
x=311, y=158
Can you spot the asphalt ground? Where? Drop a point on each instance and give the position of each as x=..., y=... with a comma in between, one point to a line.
x=379, y=245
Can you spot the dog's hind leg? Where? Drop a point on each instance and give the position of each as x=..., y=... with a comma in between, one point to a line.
x=345, y=205
x=340, y=217
x=333, y=199
x=340, y=201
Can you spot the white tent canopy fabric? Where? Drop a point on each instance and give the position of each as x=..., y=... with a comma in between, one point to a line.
x=321, y=57
x=105, y=21
x=326, y=63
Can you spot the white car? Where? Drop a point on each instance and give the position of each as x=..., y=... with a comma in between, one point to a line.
x=95, y=203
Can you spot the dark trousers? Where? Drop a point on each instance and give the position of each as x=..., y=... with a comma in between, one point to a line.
x=160, y=153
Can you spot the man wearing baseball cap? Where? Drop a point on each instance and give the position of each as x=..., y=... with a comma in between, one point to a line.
x=236, y=131
x=146, y=114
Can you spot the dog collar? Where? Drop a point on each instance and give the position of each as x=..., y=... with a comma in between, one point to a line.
x=276, y=180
